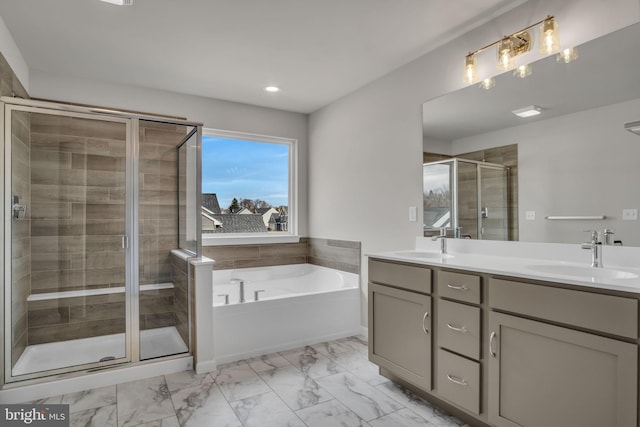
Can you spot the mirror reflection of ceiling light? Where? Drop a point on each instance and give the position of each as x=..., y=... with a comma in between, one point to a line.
x=119, y=2
x=487, y=84
x=516, y=44
x=531, y=110
x=272, y=89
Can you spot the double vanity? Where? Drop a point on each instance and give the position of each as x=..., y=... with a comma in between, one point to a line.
x=504, y=334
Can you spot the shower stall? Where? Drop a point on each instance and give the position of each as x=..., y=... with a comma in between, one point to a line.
x=468, y=197
x=95, y=201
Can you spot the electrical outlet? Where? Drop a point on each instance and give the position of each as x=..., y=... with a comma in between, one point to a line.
x=530, y=215
x=413, y=214
x=630, y=214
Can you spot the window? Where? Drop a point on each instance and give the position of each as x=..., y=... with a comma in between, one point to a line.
x=248, y=188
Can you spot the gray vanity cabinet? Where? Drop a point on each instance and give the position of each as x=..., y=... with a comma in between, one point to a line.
x=543, y=375
x=400, y=329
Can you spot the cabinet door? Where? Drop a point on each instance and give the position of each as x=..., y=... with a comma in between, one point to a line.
x=544, y=376
x=400, y=333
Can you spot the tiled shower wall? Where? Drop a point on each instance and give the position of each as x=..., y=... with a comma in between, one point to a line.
x=338, y=254
x=21, y=285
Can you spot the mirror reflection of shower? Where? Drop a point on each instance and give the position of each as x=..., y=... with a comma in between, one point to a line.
x=470, y=198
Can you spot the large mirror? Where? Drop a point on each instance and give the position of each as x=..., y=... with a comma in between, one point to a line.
x=574, y=167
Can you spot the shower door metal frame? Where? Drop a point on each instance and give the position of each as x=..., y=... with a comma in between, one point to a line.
x=493, y=166
x=131, y=226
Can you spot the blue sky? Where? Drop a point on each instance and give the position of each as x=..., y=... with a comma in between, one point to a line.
x=245, y=169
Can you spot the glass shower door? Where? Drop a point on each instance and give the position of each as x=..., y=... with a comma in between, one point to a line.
x=493, y=201
x=65, y=192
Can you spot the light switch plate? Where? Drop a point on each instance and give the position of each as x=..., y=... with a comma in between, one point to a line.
x=531, y=215
x=413, y=214
x=630, y=214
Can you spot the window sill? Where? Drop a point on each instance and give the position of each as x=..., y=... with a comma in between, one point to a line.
x=247, y=239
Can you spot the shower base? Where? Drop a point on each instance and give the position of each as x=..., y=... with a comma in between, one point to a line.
x=44, y=357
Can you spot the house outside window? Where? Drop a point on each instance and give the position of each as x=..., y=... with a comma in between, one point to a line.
x=248, y=188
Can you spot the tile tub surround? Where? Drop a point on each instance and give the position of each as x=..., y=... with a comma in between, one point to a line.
x=337, y=254
x=269, y=391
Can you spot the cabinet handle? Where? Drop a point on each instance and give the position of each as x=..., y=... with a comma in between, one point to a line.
x=457, y=380
x=492, y=338
x=457, y=288
x=463, y=329
x=424, y=318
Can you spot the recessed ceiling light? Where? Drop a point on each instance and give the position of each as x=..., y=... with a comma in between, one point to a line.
x=272, y=89
x=119, y=2
x=531, y=110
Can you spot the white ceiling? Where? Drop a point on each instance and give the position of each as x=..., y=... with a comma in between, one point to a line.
x=316, y=50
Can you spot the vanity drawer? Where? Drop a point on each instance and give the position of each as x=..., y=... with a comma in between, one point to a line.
x=459, y=328
x=459, y=286
x=459, y=380
x=404, y=276
x=604, y=313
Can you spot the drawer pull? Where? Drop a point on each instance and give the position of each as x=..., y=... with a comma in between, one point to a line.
x=424, y=318
x=457, y=380
x=492, y=338
x=463, y=329
x=457, y=288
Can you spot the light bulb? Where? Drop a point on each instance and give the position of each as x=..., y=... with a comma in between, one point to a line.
x=523, y=71
x=567, y=55
x=506, y=60
x=549, y=37
x=487, y=84
x=470, y=69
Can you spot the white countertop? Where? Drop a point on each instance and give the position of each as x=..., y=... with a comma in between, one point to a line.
x=553, y=262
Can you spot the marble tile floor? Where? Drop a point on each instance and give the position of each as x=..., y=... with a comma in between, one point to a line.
x=323, y=385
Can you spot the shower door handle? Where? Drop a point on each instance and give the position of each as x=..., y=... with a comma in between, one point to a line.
x=125, y=242
x=484, y=212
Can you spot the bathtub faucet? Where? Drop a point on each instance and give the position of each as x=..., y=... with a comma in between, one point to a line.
x=241, y=283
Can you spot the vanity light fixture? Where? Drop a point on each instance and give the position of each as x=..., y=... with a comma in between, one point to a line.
x=567, y=55
x=531, y=110
x=523, y=71
x=119, y=2
x=487, y=84
x=509, y=47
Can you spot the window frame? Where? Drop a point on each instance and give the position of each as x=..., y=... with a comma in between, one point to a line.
x=291, y=235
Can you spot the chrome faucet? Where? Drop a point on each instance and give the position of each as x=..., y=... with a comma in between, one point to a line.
x=443, y=240
x=608, y=237
x=241, y=283
x=596, y=249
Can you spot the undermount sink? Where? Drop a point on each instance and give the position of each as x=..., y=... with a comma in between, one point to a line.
x=422, y=254
x=583, y=272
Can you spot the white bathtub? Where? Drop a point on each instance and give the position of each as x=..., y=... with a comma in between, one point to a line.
x=301, y=304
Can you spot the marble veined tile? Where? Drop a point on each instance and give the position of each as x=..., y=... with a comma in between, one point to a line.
x=165, y=422
x=265, y=410
x=105, y=416
x=330, y=348
x=330, y=414
x=358, y=364
x=238, y=381
x=89, y=399
x=403, y=417
x=143, y=401
x=358, y=342
x=312, y=363
x=203, y=406
x=295, y=388
x=53, y=400
x=433, y=415
x=363, y=399
x=185, y=379
x=267, y=362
